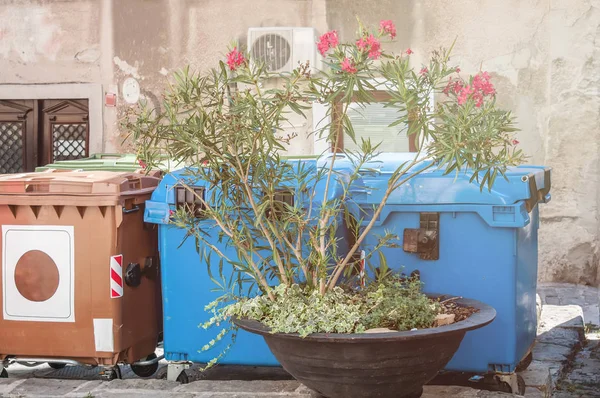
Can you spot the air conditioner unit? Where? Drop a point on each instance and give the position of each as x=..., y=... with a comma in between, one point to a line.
x=282, y=49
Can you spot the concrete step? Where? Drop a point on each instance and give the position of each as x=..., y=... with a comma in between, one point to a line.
x=561, y=334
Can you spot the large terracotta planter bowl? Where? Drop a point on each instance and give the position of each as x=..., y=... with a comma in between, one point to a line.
x=395, y=364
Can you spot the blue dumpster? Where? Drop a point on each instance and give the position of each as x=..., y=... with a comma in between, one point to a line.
x=187, y=288
x=466, y=243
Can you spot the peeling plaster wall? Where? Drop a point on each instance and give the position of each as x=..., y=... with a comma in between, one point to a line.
x=57, y=42
x=49, y=41
x=571, y=143
x=543, y=56
x=171, y=34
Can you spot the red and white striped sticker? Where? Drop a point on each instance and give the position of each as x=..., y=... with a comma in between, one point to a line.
x=116, y=276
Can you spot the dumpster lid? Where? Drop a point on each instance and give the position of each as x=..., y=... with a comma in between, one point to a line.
x=163, y=201
x=527, y=183
x=77, y=183
x=110, y=162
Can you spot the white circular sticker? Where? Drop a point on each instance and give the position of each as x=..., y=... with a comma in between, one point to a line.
x=131, y=90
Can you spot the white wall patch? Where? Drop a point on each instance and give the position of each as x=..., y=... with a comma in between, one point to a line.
x=131, y=90
x=103, y=335
x=38, y=273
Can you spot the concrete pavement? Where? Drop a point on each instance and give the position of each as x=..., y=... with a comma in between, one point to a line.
x=566, y=363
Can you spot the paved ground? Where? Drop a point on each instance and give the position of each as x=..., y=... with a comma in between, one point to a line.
x=563, y=362
x=566, y=294
x=581, y=377
x=224, y=381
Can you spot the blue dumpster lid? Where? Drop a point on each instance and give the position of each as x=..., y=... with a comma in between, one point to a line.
x=163, y=201
x=525, y=183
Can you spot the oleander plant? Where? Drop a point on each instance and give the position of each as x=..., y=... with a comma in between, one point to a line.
x=278, y=220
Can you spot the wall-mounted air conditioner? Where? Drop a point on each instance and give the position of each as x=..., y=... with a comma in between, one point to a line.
x=282, y=49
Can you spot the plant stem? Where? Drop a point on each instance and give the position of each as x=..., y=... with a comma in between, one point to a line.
x=261, y=279
x=261, y=225
x=392, y=186
x=325, y=213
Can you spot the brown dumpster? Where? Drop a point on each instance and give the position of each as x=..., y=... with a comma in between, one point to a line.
x=80, y=278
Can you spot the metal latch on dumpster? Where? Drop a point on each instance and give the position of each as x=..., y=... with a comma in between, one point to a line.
x=424, y=240
x=533, y=193
x=134, y=272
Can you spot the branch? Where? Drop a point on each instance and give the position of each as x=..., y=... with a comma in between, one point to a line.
x=325, y=215
x=259, y=276
x=392, y=186
x=260, y=223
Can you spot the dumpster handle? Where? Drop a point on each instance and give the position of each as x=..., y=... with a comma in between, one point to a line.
x=149, y=361
x=134, y=182
x=40, y=361
x=132, y=210
x=533, y=193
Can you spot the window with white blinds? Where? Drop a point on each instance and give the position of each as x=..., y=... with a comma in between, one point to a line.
x=372, y=121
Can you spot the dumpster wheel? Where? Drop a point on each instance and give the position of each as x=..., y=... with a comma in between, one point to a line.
x=111, y=373
x=512, y=383
x=183, y=378
x=524, y=364
x=176, y=372
x=57, y=366
x=145, y=370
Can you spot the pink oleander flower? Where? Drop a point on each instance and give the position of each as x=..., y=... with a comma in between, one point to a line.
x=361, y=44
x=348, y=66
x=480, y=88
x=326, y=41
x=235, y=59
x=457, y=70
x=477, y=96
x=481, y=82
x=457, y=87
x=409, y=51
x=370, y=44
x=453, y=86
x=446, y=89
x=424, y=71
x=464, y=94
x=142, y=164
x=515, y=142
x=388, y=27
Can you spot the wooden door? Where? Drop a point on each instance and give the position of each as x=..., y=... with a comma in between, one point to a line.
x=37, y=132
x=17, y=136
x=65, y=130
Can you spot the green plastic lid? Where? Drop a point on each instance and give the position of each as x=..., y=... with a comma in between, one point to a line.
x=104, y=162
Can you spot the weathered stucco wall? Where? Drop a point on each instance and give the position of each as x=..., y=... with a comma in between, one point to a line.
x=543, y=56
x=58, y=42
x=545, y=61
x=49, y=41
x=171, y=34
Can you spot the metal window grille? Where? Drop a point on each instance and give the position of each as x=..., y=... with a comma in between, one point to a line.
x=11, y=147
x=69, y=141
